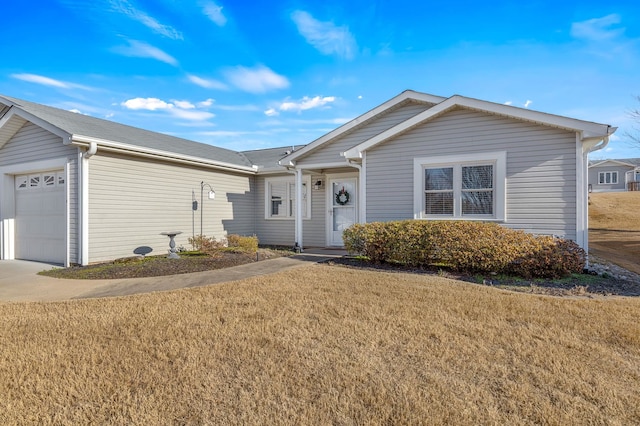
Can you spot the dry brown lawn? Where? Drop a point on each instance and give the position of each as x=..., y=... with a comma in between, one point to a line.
x=614, y=228
x=323, y=344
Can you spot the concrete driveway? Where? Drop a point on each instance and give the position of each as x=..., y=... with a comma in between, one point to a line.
x=20, y=282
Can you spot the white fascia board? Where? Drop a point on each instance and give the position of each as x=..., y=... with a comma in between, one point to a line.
x=108, y=145
x=320, y=166
x=407, y=94
x=356, y=152
x=585, y=128
x=17, y=111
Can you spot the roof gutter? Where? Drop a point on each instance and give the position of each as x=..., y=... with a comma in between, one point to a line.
x=109, y=146
x=597, y=143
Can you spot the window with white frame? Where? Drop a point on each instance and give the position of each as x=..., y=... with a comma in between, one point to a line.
x=280, y=200
x=22, y=182
x=608, y=178
x=460, y=187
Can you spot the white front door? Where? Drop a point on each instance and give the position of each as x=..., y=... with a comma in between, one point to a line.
x=343, y=211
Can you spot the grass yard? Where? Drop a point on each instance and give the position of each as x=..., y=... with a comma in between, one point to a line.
x=614, y=228
x=323, y=345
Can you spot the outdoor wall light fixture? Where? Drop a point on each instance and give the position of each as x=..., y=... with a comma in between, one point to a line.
x=318, y=184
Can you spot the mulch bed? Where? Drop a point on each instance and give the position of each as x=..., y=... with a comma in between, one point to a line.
x=587, y=285
x=155, y=266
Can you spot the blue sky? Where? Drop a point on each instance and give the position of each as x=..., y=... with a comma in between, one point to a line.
x=251, y=75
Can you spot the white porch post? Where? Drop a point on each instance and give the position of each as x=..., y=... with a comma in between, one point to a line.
x=362, y=185
x=298, y=217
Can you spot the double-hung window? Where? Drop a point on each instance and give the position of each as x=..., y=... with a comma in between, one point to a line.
x=280, y=200
x=608, y=178
x=460, y=187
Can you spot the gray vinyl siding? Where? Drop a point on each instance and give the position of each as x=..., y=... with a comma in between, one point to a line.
x=330, y=153
x=282, y=231
x=132, y=201
x=32, y=143
x=595, y=171
x=541, y=168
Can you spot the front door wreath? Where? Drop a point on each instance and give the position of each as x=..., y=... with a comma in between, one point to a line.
x=342, y=197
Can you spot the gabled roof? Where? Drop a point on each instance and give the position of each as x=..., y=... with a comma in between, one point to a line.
x=407, y=95
x=267, y=159
x=79, y=128
x=588, y=130
x=628, y=162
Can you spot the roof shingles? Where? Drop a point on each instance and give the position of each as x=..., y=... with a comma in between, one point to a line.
x=83, y=125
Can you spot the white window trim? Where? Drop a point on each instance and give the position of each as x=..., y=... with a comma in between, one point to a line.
x=306, y=180
x=498, y=158
x=602, y=178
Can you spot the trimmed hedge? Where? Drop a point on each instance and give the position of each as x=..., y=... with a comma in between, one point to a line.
x=465, y=246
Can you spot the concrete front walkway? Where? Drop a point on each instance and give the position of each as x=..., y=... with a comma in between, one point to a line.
x=19, y=281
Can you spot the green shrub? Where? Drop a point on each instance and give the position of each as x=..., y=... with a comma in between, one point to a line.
x=246, y=244
x=465, y=246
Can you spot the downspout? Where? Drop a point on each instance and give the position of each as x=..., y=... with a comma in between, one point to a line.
x=93, y=148
x=84, y=202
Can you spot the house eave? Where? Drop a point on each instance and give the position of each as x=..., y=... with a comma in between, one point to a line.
x=587, y=130
x=15, y=113
x=117, y=147
x=402, y=97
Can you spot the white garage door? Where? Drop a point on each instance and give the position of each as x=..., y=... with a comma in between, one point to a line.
x=40, y=217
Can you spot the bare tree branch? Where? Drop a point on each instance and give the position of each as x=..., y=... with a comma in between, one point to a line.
x=634, y=135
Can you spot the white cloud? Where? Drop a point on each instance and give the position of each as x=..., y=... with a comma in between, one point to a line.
x=214, y=12
x=77, y=111
x=149, y=104
x=526, y=104
x=124, y=7
x=328, y=38
x=256, y=80
x=306, y=103
x=184, y=104
x=508, y=103
x=206, y=103
x=303, y=104
x=206, y=83
x=191, y=115
x=141, y=49
x=597, y=29
x=47, y=81
x=180, y=109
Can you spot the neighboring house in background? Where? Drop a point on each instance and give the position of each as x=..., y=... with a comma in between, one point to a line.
x=77, y=189
x=614, y=175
